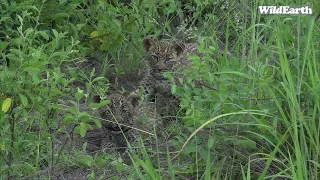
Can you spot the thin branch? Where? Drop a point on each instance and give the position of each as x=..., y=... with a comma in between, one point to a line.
x=256, y=99
x=205, y=85
x=5, y=160
x=64, y=144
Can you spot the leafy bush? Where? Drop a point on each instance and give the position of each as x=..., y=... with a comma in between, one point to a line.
x=254, y=115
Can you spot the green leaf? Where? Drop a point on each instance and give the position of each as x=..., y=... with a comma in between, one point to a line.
x=86, y=160
x=25, y=115
x=94, y=34
x=82, y=129
x=91, y=176
x=79, y=96
x=168, y=75
x=6, y=104
x=173, y=89
x=32, y=70
x=92, y=72
x=20, y=19
x=98, y=123
x=44, y=35
x=3, y=45
x=60, y=15
x=98, y=79
x=211, y=142
x=84, y=116
x=58, y=54
x=97, y=105
x=104, y=46
x=68, y=119
x=24, y=100
x=28, y=32
x=36, y=55
x=3, y=19
x=56, y=34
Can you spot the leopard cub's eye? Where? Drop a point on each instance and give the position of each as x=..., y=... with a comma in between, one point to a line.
x=168, y=58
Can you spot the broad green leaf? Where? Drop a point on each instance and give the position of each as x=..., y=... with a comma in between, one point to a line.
x=58, y=54
x=82, y=129
x=56, y=34
x=44, y=35
x=79, y=96
x=3, y=45
x=168, y=75
x=92, y=72
x=91, y=176
x=174, y=89
x=28, y=32
x=84, y=116
x=94, y=34
x=25, y=115
x=98, y=79
x=102, y=103
x=4, y=18
x=60, y=15
x=6, y=104
x=32, y=70
x=86, y=160
x=97, y=122
x=104, y=46
x=24, y=99
x=68, y=119
x=211, y=142
x=20, y=19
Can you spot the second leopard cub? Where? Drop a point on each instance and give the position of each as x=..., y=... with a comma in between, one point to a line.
x=124, y=119
x=164, y=56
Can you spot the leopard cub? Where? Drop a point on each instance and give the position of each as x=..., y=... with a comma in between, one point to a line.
x=164, y=56
x=124, y=120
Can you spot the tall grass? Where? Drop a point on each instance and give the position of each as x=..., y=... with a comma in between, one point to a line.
x=257, y=117
x=277, y=75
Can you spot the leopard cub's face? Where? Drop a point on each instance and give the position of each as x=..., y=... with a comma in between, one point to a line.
x=121, y=109
x=161, y=54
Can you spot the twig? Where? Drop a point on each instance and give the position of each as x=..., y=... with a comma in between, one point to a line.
x=317, y=17
x=64, y=144
x=257, y=99
x=5, y=160
x=10, y=160
x=205, y=85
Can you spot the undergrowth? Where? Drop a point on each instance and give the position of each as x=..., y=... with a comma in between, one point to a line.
x=256, y=116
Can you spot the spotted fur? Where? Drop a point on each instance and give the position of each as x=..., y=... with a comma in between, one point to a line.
x=164, y=56
x=124, y=120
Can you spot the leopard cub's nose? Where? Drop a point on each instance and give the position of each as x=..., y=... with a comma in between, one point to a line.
x=160, y=66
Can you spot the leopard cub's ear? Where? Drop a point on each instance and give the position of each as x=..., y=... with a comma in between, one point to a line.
x=134, y=100
x=96, y=99
x=179, y=48
x=148, y=44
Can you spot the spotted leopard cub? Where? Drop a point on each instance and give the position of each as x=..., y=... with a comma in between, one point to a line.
x=123, y=121
x=117, y=120
x=118, y=114
x=164, y=56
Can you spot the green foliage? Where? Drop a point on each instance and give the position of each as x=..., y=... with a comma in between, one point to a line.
x=279, y=88
x=249, y=103
x=31, y=76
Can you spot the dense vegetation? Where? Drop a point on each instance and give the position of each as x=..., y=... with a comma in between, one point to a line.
x=257, y=115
